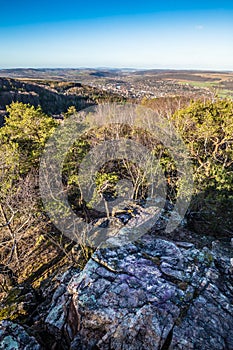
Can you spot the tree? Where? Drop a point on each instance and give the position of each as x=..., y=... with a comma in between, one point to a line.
x=207, y=129
x=22, y=140
x=26, y=128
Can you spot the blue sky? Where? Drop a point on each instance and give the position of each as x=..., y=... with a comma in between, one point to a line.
x=140, y=34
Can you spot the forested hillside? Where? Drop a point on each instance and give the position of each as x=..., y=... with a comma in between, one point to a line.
x=53, y=97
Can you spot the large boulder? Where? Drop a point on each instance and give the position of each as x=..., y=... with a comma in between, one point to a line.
x=149, y=294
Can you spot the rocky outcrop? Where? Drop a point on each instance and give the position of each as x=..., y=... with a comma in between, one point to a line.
x=150, y=294
x=14, y=337
x=153, y=293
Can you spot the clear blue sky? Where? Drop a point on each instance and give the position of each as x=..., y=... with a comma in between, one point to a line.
x=141, y=34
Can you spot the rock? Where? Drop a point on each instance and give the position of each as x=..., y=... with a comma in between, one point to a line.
x=124, y=217
x=132, y=220
x=60, y=311
x=222, y=249
x=150, y=294
x=150, y=216
x=184, y=244
x=14, y=337
x=208, y=323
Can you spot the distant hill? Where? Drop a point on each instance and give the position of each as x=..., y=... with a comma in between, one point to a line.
x=51, y=102
x=85, y=74
x=66, y=74
x=53, y=97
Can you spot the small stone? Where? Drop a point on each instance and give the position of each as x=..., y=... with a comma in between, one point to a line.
x=185, y=245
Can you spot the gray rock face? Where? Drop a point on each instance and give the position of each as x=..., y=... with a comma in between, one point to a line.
x=151, y=294
x=14, y=337
x=59, y=319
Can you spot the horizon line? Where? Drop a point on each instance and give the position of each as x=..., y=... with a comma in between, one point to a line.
x=119, y=68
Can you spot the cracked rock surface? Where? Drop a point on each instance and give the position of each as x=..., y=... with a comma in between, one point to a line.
x=151, y=294
x=14, y=337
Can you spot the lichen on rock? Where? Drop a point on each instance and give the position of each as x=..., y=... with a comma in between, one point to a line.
x=150, y=294
x=15, y=337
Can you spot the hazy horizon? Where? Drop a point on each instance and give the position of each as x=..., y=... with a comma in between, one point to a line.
x=118, y=68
